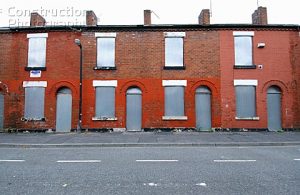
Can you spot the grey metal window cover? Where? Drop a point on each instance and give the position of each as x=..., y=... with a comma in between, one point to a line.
x=37, y=52
x=174, y=101
x=105, y=102
x=63, y=110
x=274, y=108
x=245, y=101
x=243, y=50
x=105, y=52
x=203, y=108
x=174, y=51
x=34, y=103
x=1, y=110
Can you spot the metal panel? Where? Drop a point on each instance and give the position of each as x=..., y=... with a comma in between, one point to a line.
x=1, y=110
x=243, y=50
x=63, y=110
x=174, y=51
x=37, y=52
x=34, y=102
x=245, y=101
x=174, y=101
x=105, y=101
x=134, y=109
x=106, y=52
x=203, y=108
x=274, y=109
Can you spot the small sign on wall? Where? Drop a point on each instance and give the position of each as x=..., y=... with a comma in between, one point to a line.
x=35, y=73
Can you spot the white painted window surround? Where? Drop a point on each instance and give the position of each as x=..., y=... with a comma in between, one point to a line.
x=245, y=82
x=174, y=34
x=113, y=35
x=37, y=35
x=174, y=83
x=34, y=84
x=243, y=33
x=105, y=83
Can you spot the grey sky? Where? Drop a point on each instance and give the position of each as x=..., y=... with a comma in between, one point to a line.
x=71, y=12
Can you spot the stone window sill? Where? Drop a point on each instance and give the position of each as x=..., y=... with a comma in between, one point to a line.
x=35, y=68
x=252, y=66
x=256, y=118
x=33, y=119
x=173, y=118
x=105, y=68
x=174, y=67
x=96, y=118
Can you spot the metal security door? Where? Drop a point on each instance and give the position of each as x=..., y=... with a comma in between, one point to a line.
x=274, y=109
x=1, y=110
x=134, y=109
x=203, y=108
x=63, y=110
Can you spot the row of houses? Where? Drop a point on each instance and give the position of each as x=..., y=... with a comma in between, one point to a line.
x=138, y=77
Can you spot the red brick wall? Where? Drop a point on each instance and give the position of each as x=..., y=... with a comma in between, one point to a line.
x=139, y=61
x=277, y=70
x=295, y=60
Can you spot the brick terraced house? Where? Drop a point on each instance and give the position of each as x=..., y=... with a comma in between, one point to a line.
x=139, y=77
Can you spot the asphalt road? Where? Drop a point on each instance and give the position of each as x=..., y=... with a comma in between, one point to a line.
x=174, y=170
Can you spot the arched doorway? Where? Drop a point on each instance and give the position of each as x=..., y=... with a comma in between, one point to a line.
x=134, y=109
x=1, y=110
x=63, y=110
x=274, y=108
x=203, y=108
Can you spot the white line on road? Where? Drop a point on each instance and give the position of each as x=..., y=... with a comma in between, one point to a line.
x=78, y=161
x=297, y=159
x=156, y=160
x=234, y=160
x=12, y=160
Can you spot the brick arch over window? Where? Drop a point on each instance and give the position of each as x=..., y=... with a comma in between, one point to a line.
x=131, y=84
x=277, y=83
x=3, y=88
x=59, y=85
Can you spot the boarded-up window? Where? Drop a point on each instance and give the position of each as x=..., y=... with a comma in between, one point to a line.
x=174, y=100
x=34, y=103
x=37, y=49
x=174, y=51
x=105, y=52
x=243, y=50
x=245, y=101
x=105, y=102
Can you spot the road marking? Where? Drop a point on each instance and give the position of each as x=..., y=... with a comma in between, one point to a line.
x=297, y=159
x=12, y=160
x=156, y=160
x=201, y=184
x=234, y=160
x=78, y=161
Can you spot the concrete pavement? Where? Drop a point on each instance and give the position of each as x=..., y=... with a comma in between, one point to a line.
x=146, y=139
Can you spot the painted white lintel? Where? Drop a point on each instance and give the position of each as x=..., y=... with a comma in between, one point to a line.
x=37, y=35
x=174, y=83
x=34, y=83
x=174, y=34
x=113, y=35
x=105, y=83
x=245, y=82
x=243, y=33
